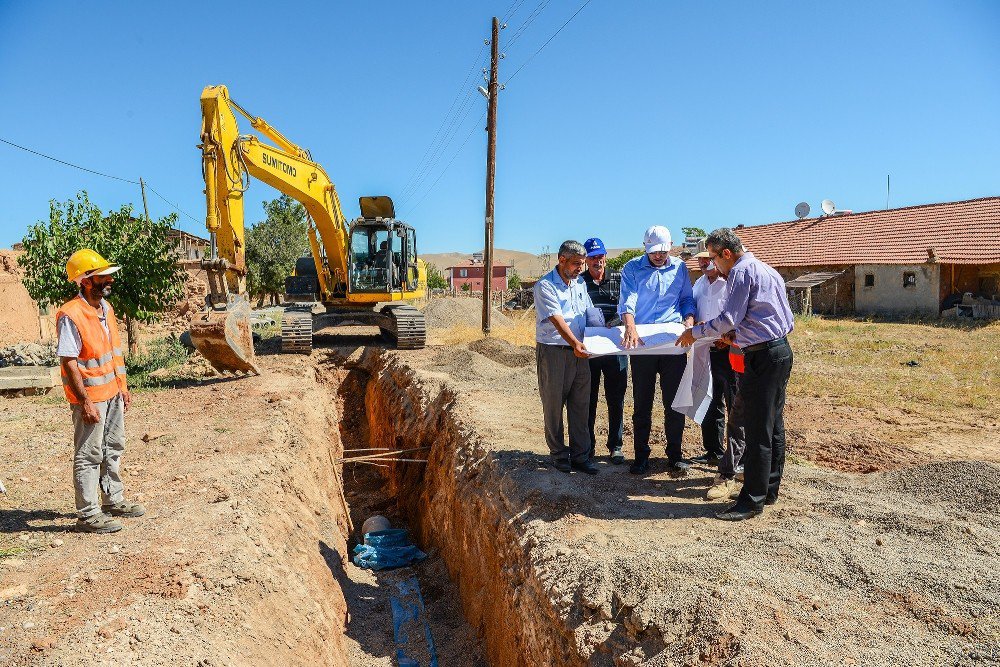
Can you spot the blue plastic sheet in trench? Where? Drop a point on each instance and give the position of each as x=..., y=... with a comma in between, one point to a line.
x=408, y=623
x=385, y=549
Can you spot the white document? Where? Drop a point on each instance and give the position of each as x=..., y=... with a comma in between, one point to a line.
x=658, y=339
x=694, y=394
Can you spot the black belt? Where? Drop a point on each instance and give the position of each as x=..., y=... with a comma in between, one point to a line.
x=763, y=346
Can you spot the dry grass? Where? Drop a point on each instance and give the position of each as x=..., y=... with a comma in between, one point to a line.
x=865, y=364
x=861, y=364
x=520, y=331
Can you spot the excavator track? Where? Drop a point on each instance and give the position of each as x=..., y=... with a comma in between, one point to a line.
x=297, y=332
x=408, y=327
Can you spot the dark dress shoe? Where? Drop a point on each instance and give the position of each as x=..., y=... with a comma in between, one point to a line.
x=678, y=468
x=706, y=458
x=562, y=465
x=585, y=466
x=737, y=513
x=639, y=467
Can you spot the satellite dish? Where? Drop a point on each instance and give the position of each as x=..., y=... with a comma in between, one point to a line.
x=828, y=207
x=802, y=210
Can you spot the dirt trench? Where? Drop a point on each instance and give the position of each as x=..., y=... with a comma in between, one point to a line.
x=455, y=506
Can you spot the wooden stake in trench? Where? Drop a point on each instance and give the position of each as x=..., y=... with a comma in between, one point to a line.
x=491, y=169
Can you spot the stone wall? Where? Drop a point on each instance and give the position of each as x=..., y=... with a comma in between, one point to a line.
x=880, y=289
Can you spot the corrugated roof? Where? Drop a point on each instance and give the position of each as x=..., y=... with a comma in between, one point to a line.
x=813, y=279
x=963, y=232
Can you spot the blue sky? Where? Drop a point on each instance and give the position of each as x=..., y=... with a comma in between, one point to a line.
x=637, y=113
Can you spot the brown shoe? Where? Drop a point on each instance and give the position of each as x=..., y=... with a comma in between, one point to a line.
x=723, y=488
x=99, y=523
x=125, y=509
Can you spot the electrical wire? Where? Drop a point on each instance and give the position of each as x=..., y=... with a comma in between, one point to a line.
x=173, y=205
x=438, y=142
x=69, y=164
x=531, y=57
x=535, y=13
x=511, y=11
x=447, y=166
x=100, y=173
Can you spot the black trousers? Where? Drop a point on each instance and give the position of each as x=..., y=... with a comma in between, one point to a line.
x=713, y=427
x=614, y=368
x=762, y=388
x=645, y=368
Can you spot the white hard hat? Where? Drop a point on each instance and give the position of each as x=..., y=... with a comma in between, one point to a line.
x=657, y=239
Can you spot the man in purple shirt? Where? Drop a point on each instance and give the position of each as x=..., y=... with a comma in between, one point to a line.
x=757, y=313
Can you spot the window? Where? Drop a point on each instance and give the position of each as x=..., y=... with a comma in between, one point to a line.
x=869, y=280
x=909, y=279
x=463, y=273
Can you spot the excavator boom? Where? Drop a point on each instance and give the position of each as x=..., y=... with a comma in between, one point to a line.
x=356, y=266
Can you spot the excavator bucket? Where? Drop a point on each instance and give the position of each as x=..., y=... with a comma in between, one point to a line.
x=225, y=338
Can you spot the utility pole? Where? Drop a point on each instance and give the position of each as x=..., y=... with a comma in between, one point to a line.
x=491, y=170
x=145, y=206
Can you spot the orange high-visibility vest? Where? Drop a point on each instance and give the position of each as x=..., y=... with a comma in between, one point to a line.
x=101, y=361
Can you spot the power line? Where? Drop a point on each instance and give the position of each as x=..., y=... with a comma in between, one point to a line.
x=100, y=173
x=511, y=11
x=172, y=205
x=531, y=57
x=457, y=153
x=68, y=164
x=536, y=12
x=438, y=142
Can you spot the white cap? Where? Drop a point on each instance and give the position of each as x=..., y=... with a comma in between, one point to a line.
x=657, y=239
x=108, y=270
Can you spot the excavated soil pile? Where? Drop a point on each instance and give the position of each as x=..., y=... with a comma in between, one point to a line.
x=502, y=352
x=449, y=312
x=239, y=559
x=192, y=303
x=557, y=569
x=18, y=312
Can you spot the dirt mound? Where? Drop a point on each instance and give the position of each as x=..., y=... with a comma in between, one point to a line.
x=449, y=312
x=502, y=352
x=18, y=312
x=192, y=303
x=971, y=485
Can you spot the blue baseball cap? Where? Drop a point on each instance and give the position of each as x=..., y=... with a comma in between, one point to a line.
x=594, y=246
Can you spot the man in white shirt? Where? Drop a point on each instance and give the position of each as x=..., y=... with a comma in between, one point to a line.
x=710, y=297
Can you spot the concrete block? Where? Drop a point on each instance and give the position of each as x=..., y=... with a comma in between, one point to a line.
x=28, y=377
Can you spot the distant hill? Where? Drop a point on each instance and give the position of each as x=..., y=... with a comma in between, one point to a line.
x=526, y=264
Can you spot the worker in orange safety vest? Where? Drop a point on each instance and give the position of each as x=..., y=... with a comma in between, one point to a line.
x=93, y=377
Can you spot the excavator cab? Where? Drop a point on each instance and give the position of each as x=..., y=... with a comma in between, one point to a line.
x=383, y=250
x=383, y=257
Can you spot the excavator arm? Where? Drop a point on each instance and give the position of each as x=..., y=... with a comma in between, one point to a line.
x=229, y=160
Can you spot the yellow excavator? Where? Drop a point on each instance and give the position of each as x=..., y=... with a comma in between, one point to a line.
x=359, y=272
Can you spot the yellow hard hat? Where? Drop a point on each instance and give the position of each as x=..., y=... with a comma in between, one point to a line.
x=84, y=263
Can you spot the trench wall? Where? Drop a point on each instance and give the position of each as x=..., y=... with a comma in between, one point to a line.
x=460, y=504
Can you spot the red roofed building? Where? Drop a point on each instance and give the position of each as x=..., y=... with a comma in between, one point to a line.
x=897, y=261
x=471, y=272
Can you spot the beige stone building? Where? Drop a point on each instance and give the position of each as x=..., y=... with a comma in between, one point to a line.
x=916, y=260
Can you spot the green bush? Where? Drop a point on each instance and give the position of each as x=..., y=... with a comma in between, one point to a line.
x=161, y=353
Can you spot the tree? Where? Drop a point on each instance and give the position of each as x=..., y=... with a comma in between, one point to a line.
x=615, y=264
x=273, y=245
x=513, y=279
x=435, y=278
x=150, y=281
x=693, y=231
